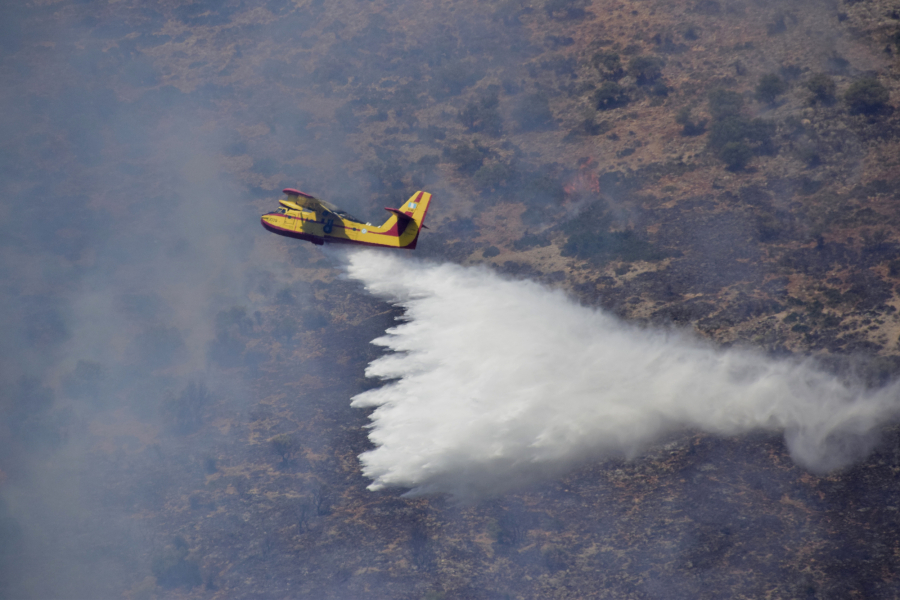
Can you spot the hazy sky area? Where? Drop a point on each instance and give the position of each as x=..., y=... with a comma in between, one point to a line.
x=158, y=345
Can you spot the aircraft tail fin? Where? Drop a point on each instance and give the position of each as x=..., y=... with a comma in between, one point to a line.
x=411, y=218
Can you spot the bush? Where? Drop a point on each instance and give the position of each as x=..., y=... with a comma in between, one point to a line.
x=494, y=176
x=822, y=87
x=866, y=96
x=468, y=158
x=645, y=69
x=424, y=170
x=184, y=413
x=588, y=126
x=756, y=132
x=483, y=115
x=532, y=240
x=733, y=137
x=611, y=95
x=565, y=9
x=540, y=186
x=285, y=446
x=432, y=133
x=690, y=127
x=725, y=103
x=736, y=155
x=609, y=64
x=172, y=567
x=589, y=238
x=770, y=86
x=385, y=173
x=453, y=78
x=660, y=90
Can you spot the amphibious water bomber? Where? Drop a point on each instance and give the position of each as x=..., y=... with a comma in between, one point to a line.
x=305, y=217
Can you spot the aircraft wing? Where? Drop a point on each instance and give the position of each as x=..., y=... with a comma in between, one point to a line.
x=318, y=205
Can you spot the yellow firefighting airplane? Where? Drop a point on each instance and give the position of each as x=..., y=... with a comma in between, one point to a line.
x=307, y=218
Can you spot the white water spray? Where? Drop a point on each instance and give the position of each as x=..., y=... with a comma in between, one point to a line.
x=494, y=383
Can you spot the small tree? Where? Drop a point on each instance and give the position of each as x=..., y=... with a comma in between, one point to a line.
x=285, y=446
x=690, y=127
x=609, y=64
x=822, y=87
x=483, y=114
x=736, y=155
x=173, y=566
x=645, y=69
x=468, y=158
x=724, y=103
x=565, y=9
x=866, y=96
x=770, y=86
x=610, y=95
x=184, y=413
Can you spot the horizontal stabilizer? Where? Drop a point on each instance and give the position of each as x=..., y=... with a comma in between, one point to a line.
x=402, y=218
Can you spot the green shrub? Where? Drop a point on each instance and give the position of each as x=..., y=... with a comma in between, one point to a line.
x=659, y=89
x=776, y=26
x=609, y=64
x=755, y=132
x=589, y=238
x=482, y=115
x=736, y=155
x=184, y=413
x=540, y=186
x=494, y=176
x=725, y=103
x=866, y=96
x=624, y=245
x=822, y=87
x=452, y=78
x=531, y=240
x=588, y=126
x=611, y=95
x=689, y=127
x=468, y=158
x=285, y=446
x=565, y=9
x=770, y=86
x=173, y=568
x=733, y=137
x=645, y=69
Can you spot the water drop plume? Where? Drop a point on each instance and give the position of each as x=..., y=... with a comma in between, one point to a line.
x=492, y=383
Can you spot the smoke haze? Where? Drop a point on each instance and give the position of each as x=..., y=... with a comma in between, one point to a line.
x=494, y=382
